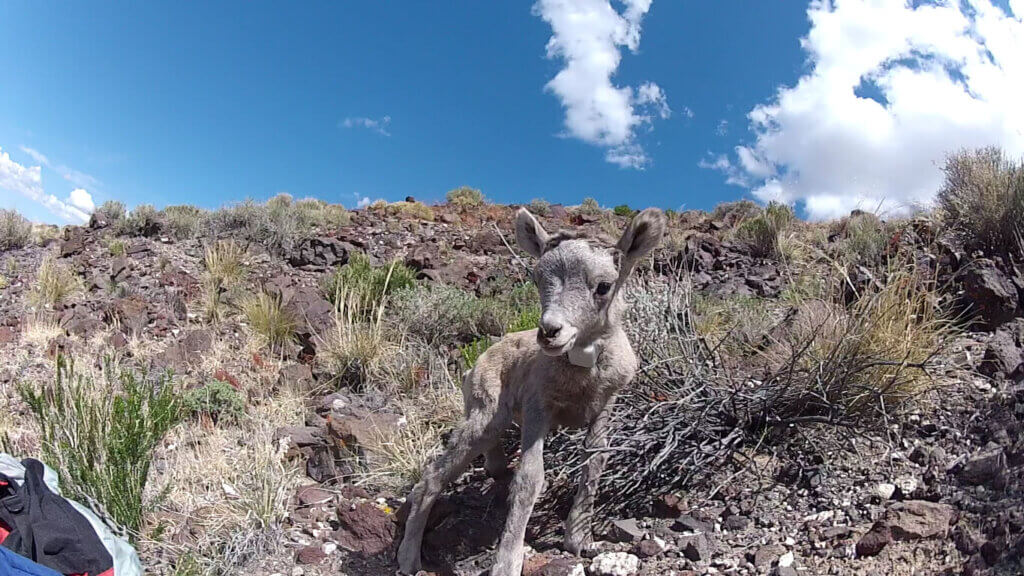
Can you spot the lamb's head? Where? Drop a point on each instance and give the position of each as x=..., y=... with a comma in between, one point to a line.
x=579, y=281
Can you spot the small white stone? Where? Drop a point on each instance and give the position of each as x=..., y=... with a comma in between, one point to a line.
x=786, y=560
x=614, y=564
x=790, y=541
x=330, y=548
x=885, y=490
x=298, y=571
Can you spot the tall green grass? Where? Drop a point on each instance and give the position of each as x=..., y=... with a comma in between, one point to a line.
x=100, y=436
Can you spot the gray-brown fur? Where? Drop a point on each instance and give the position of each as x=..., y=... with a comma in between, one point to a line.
x=528, y=379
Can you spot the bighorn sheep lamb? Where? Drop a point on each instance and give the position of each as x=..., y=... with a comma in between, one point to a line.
x=565, y=373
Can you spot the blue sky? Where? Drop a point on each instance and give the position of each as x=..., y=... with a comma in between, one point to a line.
x=210, y=103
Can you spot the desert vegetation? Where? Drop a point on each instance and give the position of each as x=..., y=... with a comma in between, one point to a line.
x=267, y=366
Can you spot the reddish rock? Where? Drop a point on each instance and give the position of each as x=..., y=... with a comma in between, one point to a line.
x=312, y=495
x=7, y=335
x=365, y=529
x=223, y=376
x=918, y=519
x=312, y=554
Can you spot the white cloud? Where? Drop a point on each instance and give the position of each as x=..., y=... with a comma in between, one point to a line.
x=28, y=181
x=893, y=88
x=380, y=126
x=586, y=35
x=723, y=127
x=733, y=174
x=77, y=178
x=82, y=200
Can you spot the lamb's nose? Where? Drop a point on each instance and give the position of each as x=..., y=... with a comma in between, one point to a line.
x=550, y=328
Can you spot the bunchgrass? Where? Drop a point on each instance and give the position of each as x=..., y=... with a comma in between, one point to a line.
x=270, y=320
x=55, y=283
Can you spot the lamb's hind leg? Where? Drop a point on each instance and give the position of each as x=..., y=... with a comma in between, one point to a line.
x=467, y=442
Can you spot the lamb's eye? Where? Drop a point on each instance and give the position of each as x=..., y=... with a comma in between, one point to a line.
x=603, y=288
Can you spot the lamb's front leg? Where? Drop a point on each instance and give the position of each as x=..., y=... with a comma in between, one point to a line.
x=578, y=526
x=526, y=488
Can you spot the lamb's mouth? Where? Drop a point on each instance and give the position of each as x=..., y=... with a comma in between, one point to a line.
x=556, y=350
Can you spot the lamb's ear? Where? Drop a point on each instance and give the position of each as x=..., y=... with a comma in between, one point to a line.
x=641, y=236
x=529, y=233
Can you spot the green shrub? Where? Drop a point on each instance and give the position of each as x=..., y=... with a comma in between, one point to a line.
x=363, y=286
x=983, y=196
x=589, y=207
x=183, y=221
x=216, y=400
x=540, y=207
x=275, y=225
x=55, y=283
x=143, y=220
x=270, y=319
x=761, y=233
x=113, y=210
x=623, y=210
x=465, y=197
x=471, y=352
x=527, y=319
x=315, y=212
x=116, y=248
x=15, y=230
x=735, y=212
x=101, y=437
x=864, y=240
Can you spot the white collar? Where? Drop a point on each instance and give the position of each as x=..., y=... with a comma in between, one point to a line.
x=585, y=357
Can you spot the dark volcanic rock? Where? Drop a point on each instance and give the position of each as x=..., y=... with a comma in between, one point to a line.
x=319, y=252
x=1004, y=354
x=990, y=293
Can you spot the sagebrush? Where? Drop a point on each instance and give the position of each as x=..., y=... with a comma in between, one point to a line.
x=100, y=436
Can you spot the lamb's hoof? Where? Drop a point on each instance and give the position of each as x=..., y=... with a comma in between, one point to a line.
x=579, y=545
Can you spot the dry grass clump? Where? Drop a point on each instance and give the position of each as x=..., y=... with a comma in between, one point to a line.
x=354, y=349
x=983, y=196
x=417, y=210
x=318, y=213
x=465, y=197
x=428, y=414
x=225, y=268
x=762, y=232
x=269, y=319
x=227, y=488
x=55, y=283
x=843, y=363
x=15, y=230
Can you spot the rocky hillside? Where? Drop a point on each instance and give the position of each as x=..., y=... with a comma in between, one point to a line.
x=835, y=398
